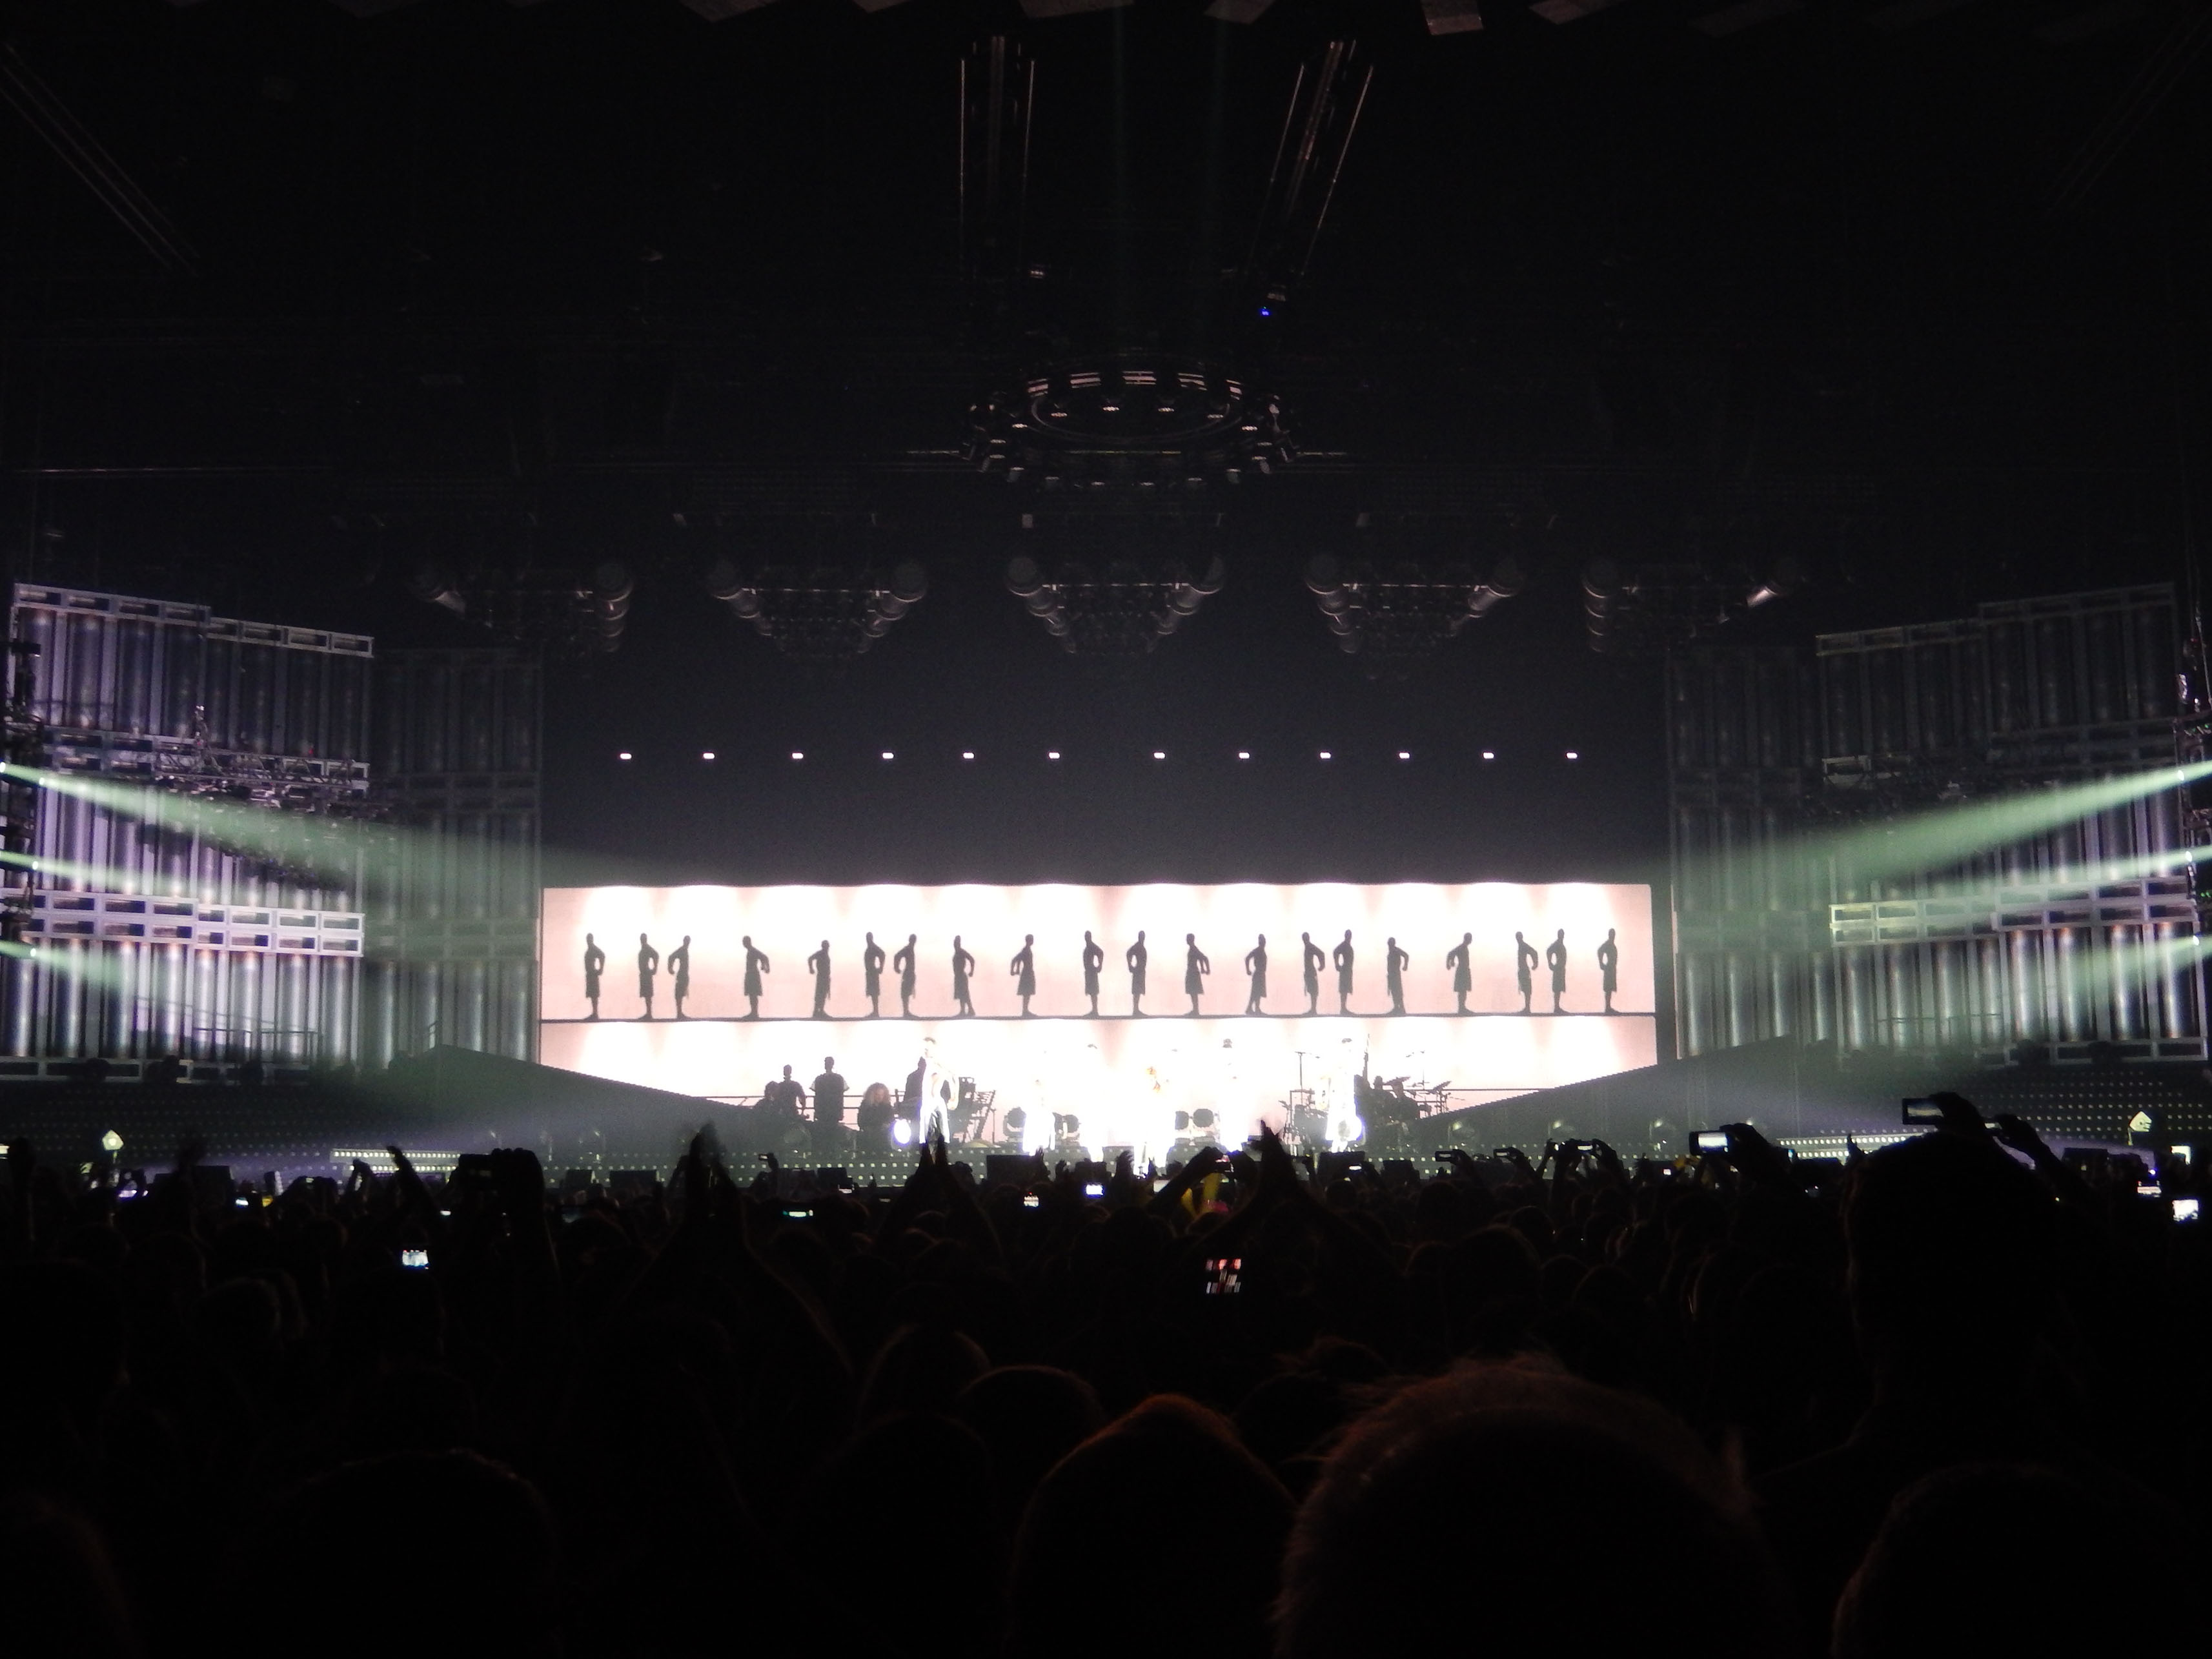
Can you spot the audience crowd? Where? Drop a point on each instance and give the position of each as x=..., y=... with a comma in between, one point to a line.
x=1945, y=1398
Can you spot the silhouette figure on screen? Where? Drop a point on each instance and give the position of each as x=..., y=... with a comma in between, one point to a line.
x=1608, y=968
x=1255, y=964
x=902, y=963
x=1462, y=970
x=1196, y=967
x=595, y=963
x=828, y=1095
x=1135, y=958
x=756, y=965
x=962, y=965
x=1022, y=971
x=1343, y=957
x=679, y=963
x=872, y=977
x=818, y=965
x=1555, y=957
x=649, y=964
x=1524, y=971
x=1394, y=963
x=1315, y=960
x=1094, y=959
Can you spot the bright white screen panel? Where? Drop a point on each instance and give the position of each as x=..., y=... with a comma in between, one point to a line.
x=1125, y=1077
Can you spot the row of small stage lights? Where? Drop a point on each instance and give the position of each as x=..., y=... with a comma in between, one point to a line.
x=1050, y=755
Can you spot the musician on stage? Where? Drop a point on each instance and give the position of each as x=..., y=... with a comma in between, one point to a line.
x=1608, y=968
x=828, y=1096
x=1315, y=960
x=1343, y=956
x=1555, y=955
x=1023, y=970
x=818, y=965
x=595, y=963
x=1395, y=963
x=679, y=963
x=962, y=965
x=1255, y=964
x=1196, y=967
x=872, y=978
x=1524, y=971
x=903, y=965
x=649, y=962
x=756, y=965
x=1094, y=959
x=1462, y=970
x=1134, y=959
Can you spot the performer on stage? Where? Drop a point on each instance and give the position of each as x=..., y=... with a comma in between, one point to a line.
x=1343, y=956
x=786, y=1095
x=595, y=963
x=756, y=965
x=649, y=962
x=1525, y=969
x=679, y=963
x=1608, y=968
x=1255, y=964
x=1394, y=963
x=1462, y=970
x=1023, y=970
x=962, y=965
x=1315, y=960
x=874, y=1116
x=1094, y=959
x=1196, y=967
x=903, y=961
x=1134, y=959
x=828, y=1096
x=872, y=978
x=818, y=965
x=1555, y=955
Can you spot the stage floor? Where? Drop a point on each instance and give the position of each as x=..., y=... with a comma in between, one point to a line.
x=1126, y=1078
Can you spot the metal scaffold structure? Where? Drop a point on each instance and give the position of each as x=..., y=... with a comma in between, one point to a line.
x=134, y=931
x=2078, y=941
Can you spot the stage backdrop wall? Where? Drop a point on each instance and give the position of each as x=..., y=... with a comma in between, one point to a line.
x=1126, y=1078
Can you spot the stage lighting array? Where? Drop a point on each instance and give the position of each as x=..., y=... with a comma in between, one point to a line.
x=1124, y=610
x=1643, y=611
x=826, y=613
x=1151, y=422
x=556, y=610
x=1394, y=614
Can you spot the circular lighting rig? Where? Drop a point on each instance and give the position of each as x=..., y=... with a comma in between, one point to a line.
x=1142, y=422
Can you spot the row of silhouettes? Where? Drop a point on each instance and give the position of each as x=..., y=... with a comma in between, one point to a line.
x=903, y=963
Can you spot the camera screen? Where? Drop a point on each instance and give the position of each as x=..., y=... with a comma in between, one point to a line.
x=414, y=1257
x=1225, y=1275
x=1029, y=1201
x=1094, y=1189
x=2185, y=1209
x=1920, y=1109
x=1709, y=1140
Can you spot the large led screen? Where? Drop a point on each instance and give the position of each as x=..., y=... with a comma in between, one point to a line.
x=1144, y=1057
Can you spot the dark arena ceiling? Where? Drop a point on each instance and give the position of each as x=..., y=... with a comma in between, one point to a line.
x=1903, y=298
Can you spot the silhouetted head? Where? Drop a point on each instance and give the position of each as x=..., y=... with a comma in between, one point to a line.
x=955, y=941
x=829, y=1062
x=910, y=938
x=641, y=938
x=687, y=938
x=1028, y=939
x=1348, y=936
x=1562, y=933
x=872, y=939
x=1951, y=1261
x=1517, y=938
x=786, y=1072
x=588, y=939
x=1086, y=936
x=1100, y=1510
x=1308, y=938
x=1945, y=1574
x=825, y=945
x=748, y=941
x=1263, y=939
x=1140, y=936
x=447, y=1506
x=1468, y=939
x=1390, y=1555
x=1609, y=933
x=1190, y=938
x=1392, y=941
